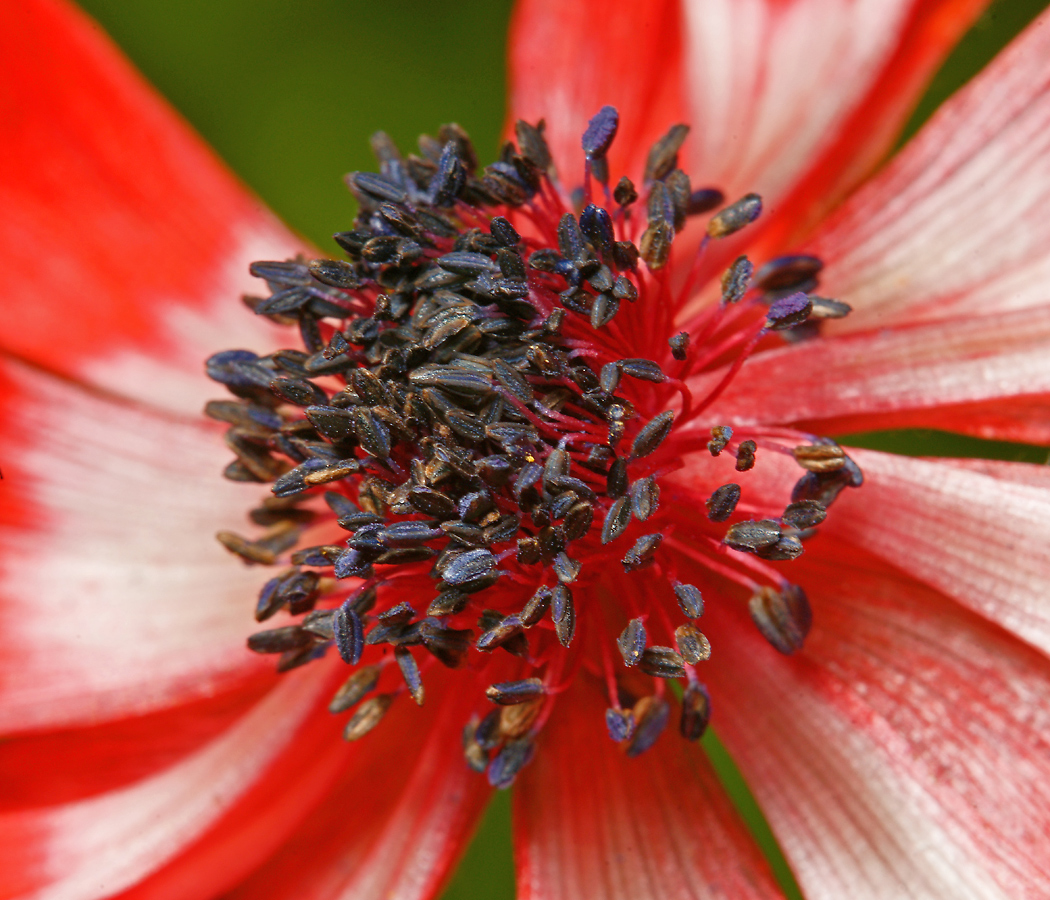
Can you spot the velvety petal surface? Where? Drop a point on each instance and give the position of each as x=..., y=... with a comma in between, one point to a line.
x=978, y=536
x=904, y=751
x=567, y=60
x=956, y=224
x=394, y=825
x=124, y=242
x=66, y=764
x=798, y=99
x=103, y=845
x=972, y=529
x=116, y=598
x=589, y=822
x=381, y=817
x=988, y=376
x=773, y=109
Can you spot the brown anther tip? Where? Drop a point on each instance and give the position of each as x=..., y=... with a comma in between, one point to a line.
x=692, y=644
x=652, y=435
x=516, y=721
x=655, y=245
x=783, y=617
x=722, y=503
x=696, y=712
x=690, y=600
x=736, y=216
x=625, y=193
x=368, y=715
x=721, y=435
x=663, y=155
x=662, y=662
x=820, y=457
x=745, y=457
x=249, y=551
x=509, y=693
x=679, y=345
x=753, y=535
x=355, y=689
x=650, y=719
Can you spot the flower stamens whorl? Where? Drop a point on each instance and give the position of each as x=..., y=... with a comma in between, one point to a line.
x=492, y=390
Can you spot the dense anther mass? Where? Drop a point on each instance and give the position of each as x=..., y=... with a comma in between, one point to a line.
x=470, y=405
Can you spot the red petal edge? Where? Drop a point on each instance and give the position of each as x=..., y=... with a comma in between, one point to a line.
x=589, y=822
x=125, y=243
x=904, y=752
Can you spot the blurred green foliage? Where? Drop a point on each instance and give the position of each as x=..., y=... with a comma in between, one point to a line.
x=288, y=95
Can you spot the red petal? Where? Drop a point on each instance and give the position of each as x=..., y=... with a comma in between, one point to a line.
x=853, y=89
x=49, y=768
x=125, y=243
x=1001, y=469
x=116, y=598
x=905, y=752
x=589, y=822
x=567, y=60
x=980, y=538
x=397, y=821
x=118, y=838
x=957, y=224
x=773, y=110
x=988, y=376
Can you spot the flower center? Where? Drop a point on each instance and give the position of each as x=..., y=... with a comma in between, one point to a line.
x=466, y=456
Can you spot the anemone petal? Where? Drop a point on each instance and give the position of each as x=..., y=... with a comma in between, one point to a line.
x=903, y=751
x=980, y=375
x=116, y=598
x=562, y=60
x=396, y=822
x=956, y=225
x=799, y=120
x=589, y=821
x=123, y=237
x=978, y=536
x=120, y=837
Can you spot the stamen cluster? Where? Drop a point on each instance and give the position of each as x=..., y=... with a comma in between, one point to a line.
x=463, y=404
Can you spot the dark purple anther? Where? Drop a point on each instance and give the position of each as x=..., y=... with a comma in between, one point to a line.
x=620, y=723
x=596, y=224
x=450, y=177
x=704, y=200
x=349, y=634
x=600, y=132
x=788, y=311
x=787, y=272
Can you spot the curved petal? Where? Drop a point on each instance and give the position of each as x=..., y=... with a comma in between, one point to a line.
x=395, y=825
x=46, y=768
x=106, y=844
x=979, y=537
x=116, y=598
x=987, y=376
x=773, y=110
x=569, y=60
x=904, y=752
x=802, y=119
x=124, y=242
x=589, y=822
x=956, y=224
x=1002, y=469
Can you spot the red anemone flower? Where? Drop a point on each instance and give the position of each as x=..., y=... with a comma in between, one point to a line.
x=646, y=431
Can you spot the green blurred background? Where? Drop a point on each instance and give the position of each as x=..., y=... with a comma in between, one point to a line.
x=288, y=95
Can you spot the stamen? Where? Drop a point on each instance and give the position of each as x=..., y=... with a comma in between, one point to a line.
x=784, y=617
x=483, y=402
